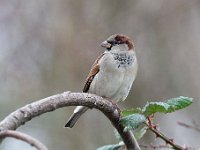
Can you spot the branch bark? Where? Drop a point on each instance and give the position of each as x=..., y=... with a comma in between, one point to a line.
x=165, y=138
x=26, y=113
x=23, y=137
x=194, y=127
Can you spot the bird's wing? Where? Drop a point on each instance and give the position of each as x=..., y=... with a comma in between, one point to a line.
x=94, y=70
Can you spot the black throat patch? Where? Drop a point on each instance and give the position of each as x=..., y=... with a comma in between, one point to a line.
x=123, y=60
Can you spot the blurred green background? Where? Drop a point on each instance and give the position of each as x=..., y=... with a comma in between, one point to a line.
x=48, y=47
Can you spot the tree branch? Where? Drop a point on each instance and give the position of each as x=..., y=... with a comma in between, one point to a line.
x=151, y=146
x=164, y=137
x=26, y=113
x=23, y=137
x=194, y=127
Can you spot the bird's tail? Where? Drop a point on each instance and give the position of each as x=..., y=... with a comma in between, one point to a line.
x=75, y=116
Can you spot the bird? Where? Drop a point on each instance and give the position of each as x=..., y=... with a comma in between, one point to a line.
x=112, y=74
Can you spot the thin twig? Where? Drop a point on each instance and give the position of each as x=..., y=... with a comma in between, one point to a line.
x=23, y=137
x=189, y=126
x=165, y=138
x=26, y=113
x=155, y=146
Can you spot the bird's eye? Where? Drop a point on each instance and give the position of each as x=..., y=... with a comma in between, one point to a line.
x=114, y=42
x=118, y=42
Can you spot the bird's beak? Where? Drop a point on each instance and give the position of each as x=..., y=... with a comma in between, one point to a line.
x=106, y=45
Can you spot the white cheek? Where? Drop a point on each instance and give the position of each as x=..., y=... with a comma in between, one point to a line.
x=120, y=47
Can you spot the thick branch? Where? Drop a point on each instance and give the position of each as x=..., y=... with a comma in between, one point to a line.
x=23, y=137
x=26, y=113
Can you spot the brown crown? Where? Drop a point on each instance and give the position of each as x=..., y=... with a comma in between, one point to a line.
x=123, y=39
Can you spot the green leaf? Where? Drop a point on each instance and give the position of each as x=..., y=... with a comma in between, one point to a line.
x=117, y=136
x=153, y=107
x=132, y=111
x=132, y=121
x=110, y=147
x=166, y=107
x=140, y=132
x=179, y=103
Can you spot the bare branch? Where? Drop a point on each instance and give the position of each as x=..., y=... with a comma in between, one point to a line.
x=164, y=137
x=26, y=113
x=23, y=137
x=194, y=127
x=151, y=146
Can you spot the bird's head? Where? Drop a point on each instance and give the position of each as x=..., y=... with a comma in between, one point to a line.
x=118, y=43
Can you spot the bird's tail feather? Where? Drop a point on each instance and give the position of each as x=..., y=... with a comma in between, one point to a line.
x=75, y=116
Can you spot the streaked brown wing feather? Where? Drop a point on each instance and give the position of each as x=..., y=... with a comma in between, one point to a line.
x=94, y=70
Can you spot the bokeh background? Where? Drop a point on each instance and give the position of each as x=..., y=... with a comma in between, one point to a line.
x=48, y=47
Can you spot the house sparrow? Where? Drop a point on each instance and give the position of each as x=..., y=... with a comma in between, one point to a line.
x=112, y=74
